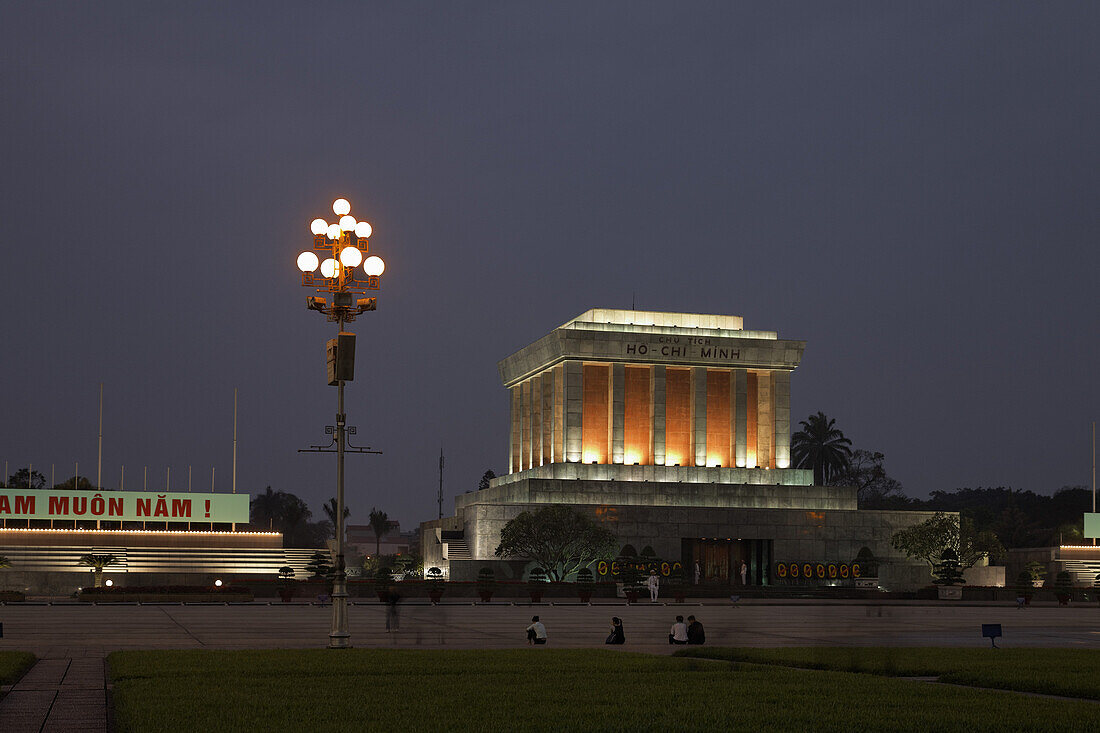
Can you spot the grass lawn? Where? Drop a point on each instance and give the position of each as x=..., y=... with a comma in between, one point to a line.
x=542, y=689
x=13, y=665
x=1069, y=672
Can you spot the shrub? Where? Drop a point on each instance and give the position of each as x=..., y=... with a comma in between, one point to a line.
x=947, y=571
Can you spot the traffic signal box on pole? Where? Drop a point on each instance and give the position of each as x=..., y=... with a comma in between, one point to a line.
x=340, y=352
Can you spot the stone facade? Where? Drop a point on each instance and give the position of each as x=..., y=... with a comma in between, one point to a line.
x=673, y=430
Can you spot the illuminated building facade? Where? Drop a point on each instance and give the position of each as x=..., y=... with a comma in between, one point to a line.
x=674, y=430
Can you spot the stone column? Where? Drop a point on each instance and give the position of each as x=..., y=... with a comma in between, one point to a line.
x=525, y=426
x=657, y=412
x=618, y=412
x=536, y=421
x=547, y=444
x=699, y=414
x=559, y=414
x=740, y=397
x=782, y=397
x=574, y=410
x=515, y=436
x=765, y=421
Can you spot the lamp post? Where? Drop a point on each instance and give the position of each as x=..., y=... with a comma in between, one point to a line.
x=346, y=244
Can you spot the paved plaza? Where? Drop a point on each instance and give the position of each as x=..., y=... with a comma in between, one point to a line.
x=75, y=630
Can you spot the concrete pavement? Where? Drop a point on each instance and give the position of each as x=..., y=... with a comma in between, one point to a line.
x=76, y=630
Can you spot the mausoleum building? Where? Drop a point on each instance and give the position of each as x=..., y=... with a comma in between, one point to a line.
x=673, y=429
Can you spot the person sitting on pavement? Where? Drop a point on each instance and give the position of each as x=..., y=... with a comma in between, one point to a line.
x=536, y=632
x=616, y=636
x=679, y=633
x=696, y=635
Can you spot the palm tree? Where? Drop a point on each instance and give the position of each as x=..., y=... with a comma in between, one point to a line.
x=380, y=523
x=821, y=446
x=4, y=563
x=268, y=505
x=98, y=562
x=330, y=510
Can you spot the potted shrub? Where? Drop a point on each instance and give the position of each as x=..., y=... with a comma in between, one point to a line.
x=1063, y=587
x=286, y=583
x=948, y=575
x=1038, y=573
x=382, y=579
x=585, y=585
x=1024, y=587
x=486, y=584
x=536, y=584
x=434, y=578
x=631, y=577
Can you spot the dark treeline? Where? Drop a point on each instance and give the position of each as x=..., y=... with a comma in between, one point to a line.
x=1018, y=518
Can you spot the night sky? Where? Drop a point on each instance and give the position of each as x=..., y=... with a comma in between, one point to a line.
x=909, y=187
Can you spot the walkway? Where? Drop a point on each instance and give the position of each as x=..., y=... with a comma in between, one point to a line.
x=58, y=695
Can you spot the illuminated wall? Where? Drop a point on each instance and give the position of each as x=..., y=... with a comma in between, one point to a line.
x=637, y=430
x=718, y=418
x=678, y=447
x=751, y=405
x=596, y=418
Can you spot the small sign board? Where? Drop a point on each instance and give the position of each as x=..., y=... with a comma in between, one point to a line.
x=1092, y=524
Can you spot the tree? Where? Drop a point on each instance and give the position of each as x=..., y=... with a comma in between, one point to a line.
x=25, y=478
x=97, y=563
x=78, y=483
x=930, y=538
x=485, y=479
x=319, y=565
x=265, y=508
x=947, y=571
x=380, y=523
x=558, y=538
x=821, y=446
x=866, y=473
x=330, y=511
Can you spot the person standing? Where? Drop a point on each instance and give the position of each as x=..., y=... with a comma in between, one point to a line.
x=653, y=583
x=696, y=572
x=744, y=573
x=679, y=632
x=536, y=632
x=616, y=636
x=696, y=635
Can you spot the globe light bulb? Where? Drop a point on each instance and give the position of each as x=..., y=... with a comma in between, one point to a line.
x=341, y=207
x=351, y=256
x=307, y=262
x=363, y=230
x=109, y=583
x=347, y=223
x=218, y=583
x=374, y=265
x=329, y=268
x=318, y=226
x=333, y=231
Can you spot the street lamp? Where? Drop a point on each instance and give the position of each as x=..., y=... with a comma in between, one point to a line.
x=342, y=246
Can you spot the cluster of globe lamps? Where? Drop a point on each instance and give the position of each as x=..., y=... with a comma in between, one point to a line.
x=350, y=256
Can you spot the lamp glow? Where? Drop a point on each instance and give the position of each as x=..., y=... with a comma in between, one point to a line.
x=307, y=262
x=109, y=583
x=217, y=584
x=333, y=231
x=363, y=230
x=340, y=207
x=329, y=268
x=347, y=223
x=374, y=265
x=351, y=256
x=318, y=226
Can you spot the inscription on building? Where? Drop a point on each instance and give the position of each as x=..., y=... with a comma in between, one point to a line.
x=682, y=347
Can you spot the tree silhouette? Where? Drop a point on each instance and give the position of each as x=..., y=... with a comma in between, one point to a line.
x=821, y=446
x=485, y=479
x=380, y=523
x=25, y=478
x=330, y=510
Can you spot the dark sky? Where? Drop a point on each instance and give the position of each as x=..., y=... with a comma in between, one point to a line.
x=909, y=187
